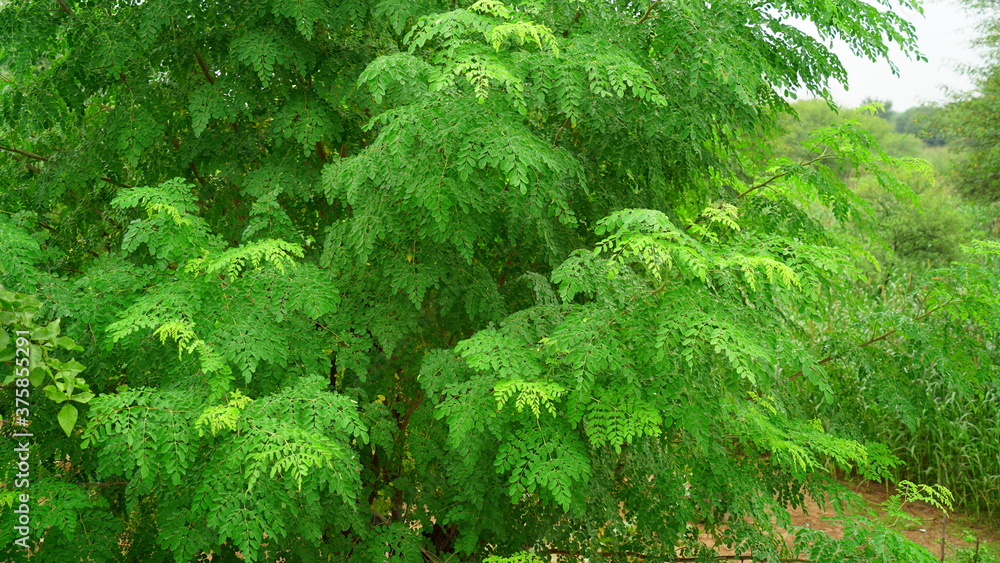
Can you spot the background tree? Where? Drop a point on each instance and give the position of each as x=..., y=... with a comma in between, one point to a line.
x=381, y=280
x=919, y=121
x=971, y=120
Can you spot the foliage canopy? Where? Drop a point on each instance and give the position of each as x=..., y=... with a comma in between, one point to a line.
x=384, y=280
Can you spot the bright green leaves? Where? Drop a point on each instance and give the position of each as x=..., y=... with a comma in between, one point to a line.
x=613, y=73
x=31, y=347
x=521, y=32
x=451, y=28
x=305, y=13
x=464, y=38
x=417, y=214
x=667, y=252
x=292, y=447
x=550, y=460
x=276, y=253
x=221, y=101
x=505, y=354
x=222, y=417
x=533, y=395
x=249, y=334
x=67, y=418
x=294, y=455
x=615, y=419
x=650, y=238
x=20, y=252
x=171, y=231
x=654, y=322
x=453, y=162
x=394, y=543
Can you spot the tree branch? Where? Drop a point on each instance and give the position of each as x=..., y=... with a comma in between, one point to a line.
x=46, y=159
x=875, y=339
x=783, y=174
x=25, y=153
x=565, y=124
x=649, y=12
x=113, y=183
x=64, y=7
x=204, y=68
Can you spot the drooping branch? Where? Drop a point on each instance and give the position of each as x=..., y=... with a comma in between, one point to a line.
x=878, y=338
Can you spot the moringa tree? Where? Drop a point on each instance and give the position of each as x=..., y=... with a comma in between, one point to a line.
x=381, y=280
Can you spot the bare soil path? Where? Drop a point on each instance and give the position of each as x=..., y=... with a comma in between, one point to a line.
x=928, y=532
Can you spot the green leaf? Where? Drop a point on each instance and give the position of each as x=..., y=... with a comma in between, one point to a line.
x=67, y=418
x=54, y=393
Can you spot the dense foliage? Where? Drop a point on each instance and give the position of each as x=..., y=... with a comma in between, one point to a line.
x=406, y=281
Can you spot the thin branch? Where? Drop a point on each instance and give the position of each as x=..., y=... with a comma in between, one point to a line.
x=75, y=271
x=649, y=12
x=783, y=174
x=879, y=338
x=111, y=484
x=113, y=183
x=46, y=159
x=25, y=153
x=103, y=107
x=565, y=124
x=204, y=68
x=64, y=7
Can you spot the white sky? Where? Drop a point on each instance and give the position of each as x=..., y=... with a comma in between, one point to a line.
x=944, y=34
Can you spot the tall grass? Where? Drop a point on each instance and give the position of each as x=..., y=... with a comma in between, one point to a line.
x=941, y=417
x=953, y=440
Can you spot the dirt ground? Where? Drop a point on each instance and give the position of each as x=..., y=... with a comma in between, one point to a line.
x=927, y=533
